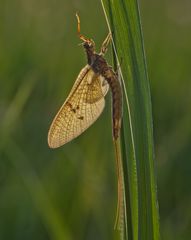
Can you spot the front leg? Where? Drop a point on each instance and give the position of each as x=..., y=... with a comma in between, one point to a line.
x=105, y=44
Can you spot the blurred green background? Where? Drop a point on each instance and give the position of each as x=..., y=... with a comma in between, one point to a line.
x=70, y=193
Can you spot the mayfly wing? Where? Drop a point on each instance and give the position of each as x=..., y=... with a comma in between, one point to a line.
x=83, y=106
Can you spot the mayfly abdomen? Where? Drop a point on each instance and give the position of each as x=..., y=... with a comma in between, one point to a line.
x=101, y=66
x=115, y=87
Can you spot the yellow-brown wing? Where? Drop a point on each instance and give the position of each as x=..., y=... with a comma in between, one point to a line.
x=82, y=107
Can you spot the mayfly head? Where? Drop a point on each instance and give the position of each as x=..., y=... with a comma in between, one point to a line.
x=89, y=45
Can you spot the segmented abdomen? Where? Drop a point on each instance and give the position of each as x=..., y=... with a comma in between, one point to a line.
x=116, y=90
x=101, y=67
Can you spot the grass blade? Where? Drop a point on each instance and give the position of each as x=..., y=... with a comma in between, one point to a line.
x=141, y=210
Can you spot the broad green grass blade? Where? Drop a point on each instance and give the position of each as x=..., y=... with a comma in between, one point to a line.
x=141, y=219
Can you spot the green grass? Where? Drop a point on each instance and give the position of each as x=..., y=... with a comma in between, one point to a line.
x=141, y=220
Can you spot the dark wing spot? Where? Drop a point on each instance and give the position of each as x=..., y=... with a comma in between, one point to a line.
x=81, y=117
x=71, y=107
x=69, y=104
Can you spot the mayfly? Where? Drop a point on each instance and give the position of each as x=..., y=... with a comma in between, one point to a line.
x=86, y=100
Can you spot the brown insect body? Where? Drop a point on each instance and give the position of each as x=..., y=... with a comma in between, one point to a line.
x=101, y=67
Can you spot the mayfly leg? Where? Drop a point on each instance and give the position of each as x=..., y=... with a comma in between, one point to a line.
x=82, y=37
x=79, y=29
x=105, y=44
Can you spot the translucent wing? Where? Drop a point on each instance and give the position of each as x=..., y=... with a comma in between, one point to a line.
x=82, y=107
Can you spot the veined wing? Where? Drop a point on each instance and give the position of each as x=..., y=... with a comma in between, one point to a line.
x=83, y=106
